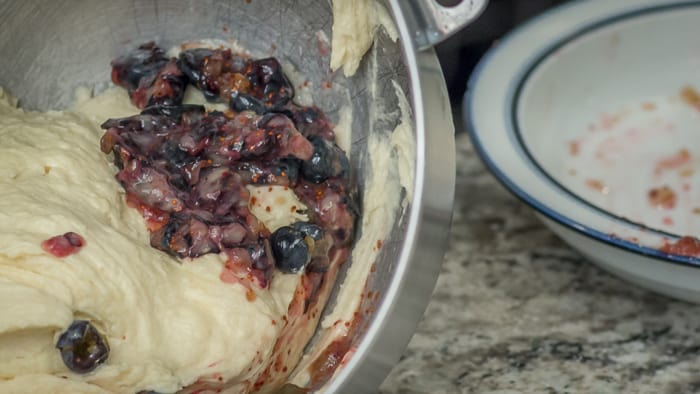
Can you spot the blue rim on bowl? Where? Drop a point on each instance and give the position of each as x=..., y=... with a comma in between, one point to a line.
x=584, y=18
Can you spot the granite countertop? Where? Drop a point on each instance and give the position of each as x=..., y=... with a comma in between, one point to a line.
x=515, y=310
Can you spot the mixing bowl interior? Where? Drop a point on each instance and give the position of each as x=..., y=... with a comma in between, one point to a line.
x=49, y=49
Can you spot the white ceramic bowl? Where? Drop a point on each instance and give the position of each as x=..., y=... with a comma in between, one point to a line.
x=589, y=114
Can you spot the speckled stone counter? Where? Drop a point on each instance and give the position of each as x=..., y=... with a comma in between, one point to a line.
x=515, y=310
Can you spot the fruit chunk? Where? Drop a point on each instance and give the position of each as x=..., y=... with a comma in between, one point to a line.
x=290, y=250
x=82, y=347
x=63, y=245
x=327, y=161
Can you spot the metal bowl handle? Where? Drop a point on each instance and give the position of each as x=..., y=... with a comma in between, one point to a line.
x=432, y=22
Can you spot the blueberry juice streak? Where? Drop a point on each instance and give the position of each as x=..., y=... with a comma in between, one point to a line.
x=186, y=170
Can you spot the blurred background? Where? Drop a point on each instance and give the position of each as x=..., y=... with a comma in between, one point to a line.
x=460, y=53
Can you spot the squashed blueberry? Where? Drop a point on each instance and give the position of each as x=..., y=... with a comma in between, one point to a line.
x=82, y=347
x=328, y=161
x=240, y=102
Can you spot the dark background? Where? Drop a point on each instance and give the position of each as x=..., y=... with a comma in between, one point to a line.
x=460, y=53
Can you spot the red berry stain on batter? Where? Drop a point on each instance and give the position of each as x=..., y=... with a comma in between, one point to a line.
x=63, y=245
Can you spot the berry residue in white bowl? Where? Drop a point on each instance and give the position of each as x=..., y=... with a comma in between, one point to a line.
x=589, y=114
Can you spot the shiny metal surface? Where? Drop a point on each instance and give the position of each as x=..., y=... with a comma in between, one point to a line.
x=429, y=22
x=49, y=48
x=422, y=245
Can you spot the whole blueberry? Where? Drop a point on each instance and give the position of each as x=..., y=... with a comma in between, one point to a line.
x=82, y=347
x=289, y=249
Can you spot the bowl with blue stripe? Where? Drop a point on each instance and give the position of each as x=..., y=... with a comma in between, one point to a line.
x=590, y=114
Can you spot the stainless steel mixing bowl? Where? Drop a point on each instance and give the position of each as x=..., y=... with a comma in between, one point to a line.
x=49, y=48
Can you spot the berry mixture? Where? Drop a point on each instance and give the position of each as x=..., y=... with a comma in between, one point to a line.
x=186, y=170
x=189, y=172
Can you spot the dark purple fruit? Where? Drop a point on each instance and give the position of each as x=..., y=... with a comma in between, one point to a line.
x=327, y=161
x=174, y=156
x=240, y=102
x=277, y=90
x=190, y=62
x=209, y=70
x=82, y=347
x=289, y=249
x=184, y=236
x=288, y=168
x=168, y=88
x=259, y=254
x=311, y=121
x=143, y=62
x=173, y=112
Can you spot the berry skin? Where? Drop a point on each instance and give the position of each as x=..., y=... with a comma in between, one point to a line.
x=64, y=245
x=240, y=102
x=289, y=249
x=327, y=161
x=82, y=347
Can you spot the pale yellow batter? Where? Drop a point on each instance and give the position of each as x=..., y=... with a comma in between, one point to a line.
x=168, y=323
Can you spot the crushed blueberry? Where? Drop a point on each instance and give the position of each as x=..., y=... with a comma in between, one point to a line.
x=244, y=102
x=256, y=85
x=173, y=112
x=150, y=77
x=142, y=63
x=312, y=121
x=186, y=169
x=82, y=347
x=327, y=161
x=63, y=245
x=270, y=83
